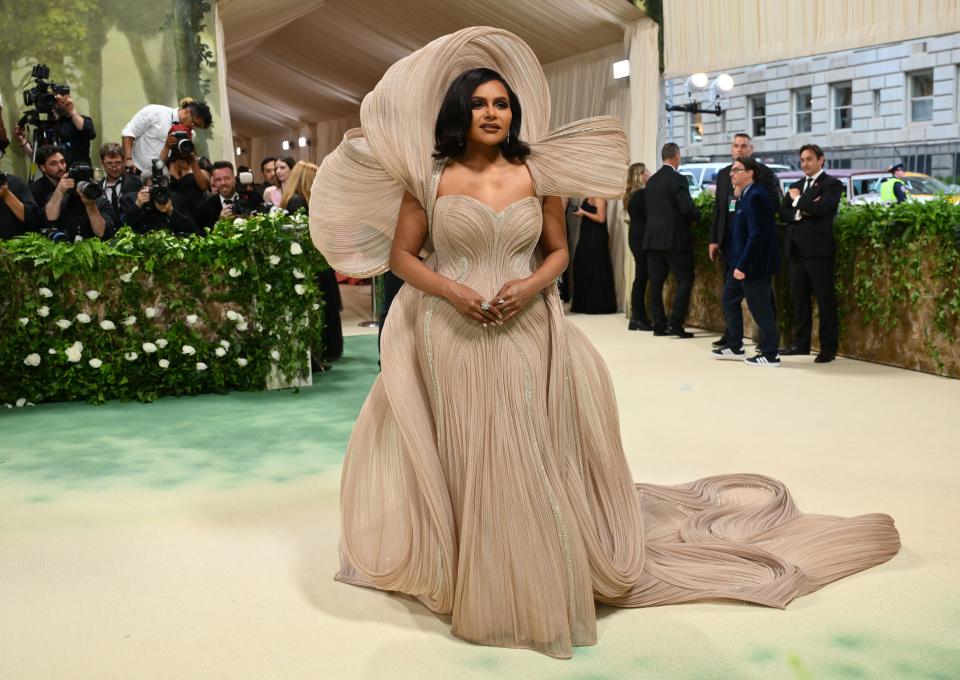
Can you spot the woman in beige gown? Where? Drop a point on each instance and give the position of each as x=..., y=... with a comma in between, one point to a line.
x=485, y=474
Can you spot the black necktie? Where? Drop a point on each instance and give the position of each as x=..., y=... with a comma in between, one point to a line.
x=809, y=184
x=114, y=201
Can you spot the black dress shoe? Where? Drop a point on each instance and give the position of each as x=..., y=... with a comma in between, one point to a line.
x=660, y=331
x=639, y=325
x=825, y=357
x=679, y=332
x=794, y=351
x=722, y=342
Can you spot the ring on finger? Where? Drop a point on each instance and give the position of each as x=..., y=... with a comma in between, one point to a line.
x=501, y=301
x=485, y=306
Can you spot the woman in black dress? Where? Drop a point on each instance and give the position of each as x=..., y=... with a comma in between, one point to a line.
x=637, y=177
x=593, y=288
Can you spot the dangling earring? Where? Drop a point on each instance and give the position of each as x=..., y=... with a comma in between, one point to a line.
x=508, y=136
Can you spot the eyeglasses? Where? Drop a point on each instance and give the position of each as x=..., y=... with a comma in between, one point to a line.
x=736, y=170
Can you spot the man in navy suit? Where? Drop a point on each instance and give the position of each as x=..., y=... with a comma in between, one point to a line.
x=752, y=259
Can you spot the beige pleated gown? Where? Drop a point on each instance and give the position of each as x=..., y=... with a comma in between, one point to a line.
x=485, y=474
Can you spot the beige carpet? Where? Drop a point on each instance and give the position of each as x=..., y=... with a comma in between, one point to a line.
x=205, y=579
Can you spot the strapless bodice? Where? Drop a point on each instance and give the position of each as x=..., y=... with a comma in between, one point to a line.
x=482, y=248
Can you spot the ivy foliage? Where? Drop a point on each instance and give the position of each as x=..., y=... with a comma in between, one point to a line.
x=149, y=315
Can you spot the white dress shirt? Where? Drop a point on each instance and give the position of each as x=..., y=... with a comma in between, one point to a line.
x=808, y=182
x=149, y=129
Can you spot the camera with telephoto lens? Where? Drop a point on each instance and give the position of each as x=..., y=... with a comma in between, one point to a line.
x=245, y=201
x=183, y=146
x=82, y=174
x=43, y=94
x=159, y=182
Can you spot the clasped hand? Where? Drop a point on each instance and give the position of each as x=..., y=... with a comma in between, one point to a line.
x=504, y=305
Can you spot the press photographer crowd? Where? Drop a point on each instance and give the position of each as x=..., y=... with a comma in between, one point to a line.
x=152, y=178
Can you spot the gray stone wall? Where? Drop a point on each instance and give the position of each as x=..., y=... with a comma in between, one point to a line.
x=882, y=130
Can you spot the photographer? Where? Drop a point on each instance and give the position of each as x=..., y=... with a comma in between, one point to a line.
x=73, y=132
x=73, y=205
x=18, y=209
x=154, y=206
x=147, y=135
x=227, y=203
x=117, y=181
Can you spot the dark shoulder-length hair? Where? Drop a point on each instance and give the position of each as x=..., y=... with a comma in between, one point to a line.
x=456, y=116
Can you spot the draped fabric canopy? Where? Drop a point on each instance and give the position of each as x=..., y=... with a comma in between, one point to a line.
x=713, y=35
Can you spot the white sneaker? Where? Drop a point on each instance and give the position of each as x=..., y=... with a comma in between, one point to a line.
x=761, y=360
x=728, y=353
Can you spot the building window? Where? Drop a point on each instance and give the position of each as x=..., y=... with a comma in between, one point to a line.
x=758, y=115
x=921, y=96
x=876, y=103
x=921, y=162
x=839, y=163
x=842, y=106
x=803, y=110
x=696, y=128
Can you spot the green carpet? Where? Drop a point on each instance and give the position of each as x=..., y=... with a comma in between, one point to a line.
x=221, y=440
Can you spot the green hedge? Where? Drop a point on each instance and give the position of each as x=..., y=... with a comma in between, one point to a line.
x=896, y=265
x=144, y=316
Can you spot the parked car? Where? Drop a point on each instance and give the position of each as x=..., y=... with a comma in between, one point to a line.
x=692, y=186
x=856, y=181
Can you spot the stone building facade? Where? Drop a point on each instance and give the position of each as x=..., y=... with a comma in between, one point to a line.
x=867, y=108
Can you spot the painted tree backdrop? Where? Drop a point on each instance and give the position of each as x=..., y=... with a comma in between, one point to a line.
x=116, y=55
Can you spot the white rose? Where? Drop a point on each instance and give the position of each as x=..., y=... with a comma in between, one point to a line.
x=316, y=306
x=242, y=326
x=51, y=351
x=9, y=405
x=129, y=321
x=21, y=402
x=43, y=311
x=161, y=343
x=192, y=319
x=188, y=349
x=32, y=359
x=275, y=355
x=163, y=363
x=95, y=363
x=274, y=260
x=149, y=347
x=150, y=312
x=74, y=351
x=130, y=356
x=297, y=274
x=239, y=222
x=267, y=287
x=295, y=248
x=201, y=366
x=234, y=272
x=232, y=315
x=220, y=351
x=64, y=324
x=225, y=344
x=300, y=290
x=93, y=294
x=126, y=278
x=45, y=292
x=241, y=362
x=107, y=325
x=259, y=327
x=83, y=317
x=24, y=321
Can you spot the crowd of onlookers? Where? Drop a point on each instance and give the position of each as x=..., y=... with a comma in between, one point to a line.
x=153, y=178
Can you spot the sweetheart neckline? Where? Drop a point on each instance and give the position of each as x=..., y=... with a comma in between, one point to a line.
x=479, y=202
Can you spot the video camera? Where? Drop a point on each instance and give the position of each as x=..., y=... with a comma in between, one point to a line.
x=82, y=174
x=43, y=94
x=159, y=182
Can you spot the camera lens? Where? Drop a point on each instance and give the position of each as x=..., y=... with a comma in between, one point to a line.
x=90, y=190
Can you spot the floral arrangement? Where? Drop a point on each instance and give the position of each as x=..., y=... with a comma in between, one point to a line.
x=149, y=315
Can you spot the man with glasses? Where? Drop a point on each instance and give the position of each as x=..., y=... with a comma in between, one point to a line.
x=147, y=134
x=116, y=182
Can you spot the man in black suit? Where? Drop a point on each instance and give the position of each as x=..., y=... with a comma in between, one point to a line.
x=752, y=256
x=223, y=203
x=725, y=206
x=809, y=209
x=117, y=181
x=668, y=240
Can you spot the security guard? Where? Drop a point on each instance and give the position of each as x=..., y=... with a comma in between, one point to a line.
x=893, y=189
